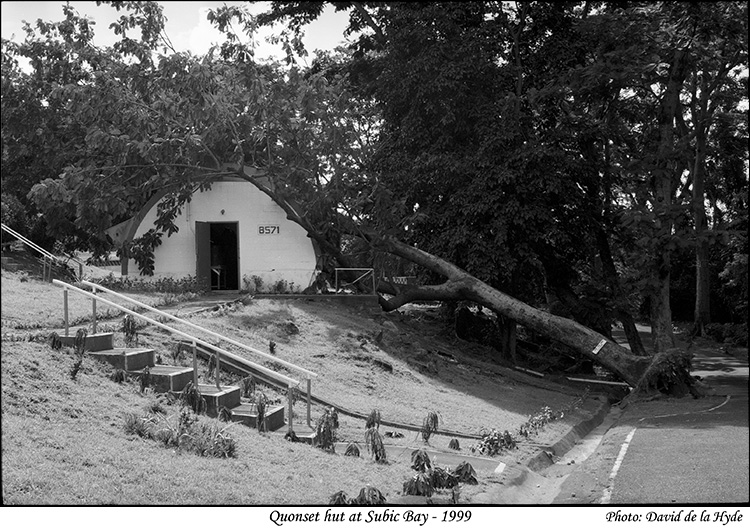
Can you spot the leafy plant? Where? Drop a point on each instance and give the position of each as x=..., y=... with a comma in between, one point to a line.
x=79, y=346
x=369, y=496
x=225, y=415
x=373, y=419
x=454, y=445
x=494, y=442
x=374, y=443
x=247, y=386
x=261, y=403
x=419, y=485
x=352, y=450
x=139, y=425
x=192, y=398
x=55, y=342
x=443, y=478
x=130, y=329
x=420, y=461
x=465, y=473
x=325, y=429
x=339, y=498
x=118, y=376
x=145, y=379
x=429, y=426
x=537, y=421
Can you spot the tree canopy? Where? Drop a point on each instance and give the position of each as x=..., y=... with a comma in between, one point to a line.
x=576, y=156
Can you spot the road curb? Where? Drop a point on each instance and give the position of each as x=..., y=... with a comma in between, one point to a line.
x=546, y=456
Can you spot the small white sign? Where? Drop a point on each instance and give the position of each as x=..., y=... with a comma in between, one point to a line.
x=600, y=346
x=267, y=230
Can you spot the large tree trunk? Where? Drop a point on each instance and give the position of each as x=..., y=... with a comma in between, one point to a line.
x=664, y=177
x=702, y=314
x=462, y=286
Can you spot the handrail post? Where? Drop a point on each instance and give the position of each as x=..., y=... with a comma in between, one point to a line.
x=218, y=362
x=195, y=365
x=290, y=395
x=309, y=388
x=93, y=310
x=65, y=309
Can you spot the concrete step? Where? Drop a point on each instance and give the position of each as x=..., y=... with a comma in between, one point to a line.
x=228, y=396
x=247, y=414
x=94, y=342
x=127, y=359
x=165, y=378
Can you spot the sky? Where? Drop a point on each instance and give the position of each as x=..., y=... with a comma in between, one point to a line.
x=186, y=27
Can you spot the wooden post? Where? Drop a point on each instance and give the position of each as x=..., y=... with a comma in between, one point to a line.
x=65, y=309
x=80, y=271
x=309, y=392
x=93, y=310
x=195, y=365
x=291, y=413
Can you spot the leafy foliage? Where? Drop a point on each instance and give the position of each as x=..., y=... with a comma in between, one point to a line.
x=325, y=429
x=374, y=444
x=493, y=443
x=191, y=397
x=420, y=461
x=429, y=426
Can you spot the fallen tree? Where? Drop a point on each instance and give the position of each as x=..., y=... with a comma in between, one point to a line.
x=460, y=285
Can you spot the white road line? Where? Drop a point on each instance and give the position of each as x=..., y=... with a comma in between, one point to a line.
x=607, y=494
x=688, y=412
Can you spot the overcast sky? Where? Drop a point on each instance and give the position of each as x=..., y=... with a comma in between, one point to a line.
x=187, y=26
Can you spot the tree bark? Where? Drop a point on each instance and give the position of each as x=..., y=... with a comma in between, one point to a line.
x=665, y=174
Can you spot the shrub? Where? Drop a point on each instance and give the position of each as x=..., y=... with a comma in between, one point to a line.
x=537, y=421
x=145, y=379
x=138, y=425
x=429, y=426
x=247, y=387
x=192, y=398
x=373, y=420
x=369, y=496
x=339, y=498
x=420, y=461
x=261, y=403
x=130, y=329
x=465, y=473
x=494, y=442
x=325, y=429
x=419, y=485
x=374, y=443
x=454, y=445
x=79, y=345
x=55, y=342
x=352, y=450
x=118, y=376
x=443, y=478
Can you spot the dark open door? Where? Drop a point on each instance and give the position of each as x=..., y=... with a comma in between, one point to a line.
x=203, y=252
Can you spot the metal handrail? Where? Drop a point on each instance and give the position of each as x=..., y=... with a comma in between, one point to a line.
x=216, y=335
x=291, y=382
x=44, y=252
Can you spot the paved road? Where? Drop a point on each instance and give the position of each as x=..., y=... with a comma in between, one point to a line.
x=675, y=451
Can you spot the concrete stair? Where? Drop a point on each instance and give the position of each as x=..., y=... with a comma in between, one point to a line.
x=228, y=397
x=127, y=359
x=166, y=378
x=247, y=414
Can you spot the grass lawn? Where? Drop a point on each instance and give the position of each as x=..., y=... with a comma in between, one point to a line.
x=64, y=442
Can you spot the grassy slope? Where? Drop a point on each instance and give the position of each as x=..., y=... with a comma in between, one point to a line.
x=63, y=440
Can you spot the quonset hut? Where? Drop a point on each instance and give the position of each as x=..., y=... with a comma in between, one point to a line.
x=226, y=236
